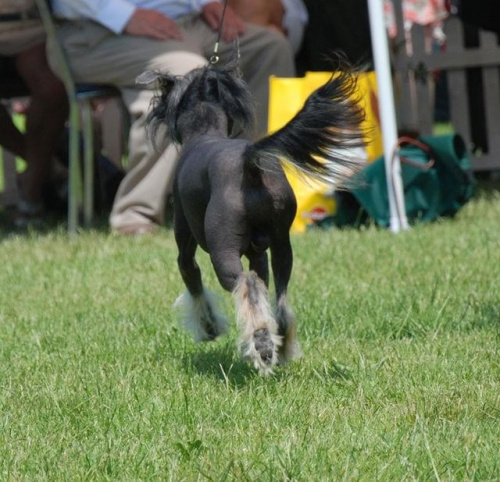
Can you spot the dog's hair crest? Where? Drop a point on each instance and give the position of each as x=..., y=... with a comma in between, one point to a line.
x=211, y=88
x=232, y=197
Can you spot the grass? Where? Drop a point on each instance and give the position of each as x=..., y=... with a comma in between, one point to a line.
x=400, y=377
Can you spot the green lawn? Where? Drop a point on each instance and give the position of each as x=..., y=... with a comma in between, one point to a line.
x=400, y=378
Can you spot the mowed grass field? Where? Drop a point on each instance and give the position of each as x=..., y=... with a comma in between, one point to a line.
x=400, y=378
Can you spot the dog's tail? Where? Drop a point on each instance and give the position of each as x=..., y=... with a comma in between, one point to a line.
x=319, y=141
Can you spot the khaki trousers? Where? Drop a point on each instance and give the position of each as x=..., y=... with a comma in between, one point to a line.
x=98, y=55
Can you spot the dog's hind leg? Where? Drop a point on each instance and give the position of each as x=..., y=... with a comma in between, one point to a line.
x=259, y=340
x=282, y=261
x=200, y=314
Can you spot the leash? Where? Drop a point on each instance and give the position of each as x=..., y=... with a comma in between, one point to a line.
x=215, y=56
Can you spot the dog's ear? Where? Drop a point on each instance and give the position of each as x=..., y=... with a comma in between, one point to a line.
x=147, y=78
x=165, y=104
x=164, y=81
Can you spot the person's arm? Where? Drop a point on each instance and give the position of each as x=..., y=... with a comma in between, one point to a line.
x=120, y=16
x=113, y=14
x=277, y=13
x=153, y=24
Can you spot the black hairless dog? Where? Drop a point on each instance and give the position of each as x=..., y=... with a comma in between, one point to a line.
x=232, y=198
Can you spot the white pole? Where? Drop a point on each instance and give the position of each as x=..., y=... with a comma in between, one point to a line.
x=380, y=48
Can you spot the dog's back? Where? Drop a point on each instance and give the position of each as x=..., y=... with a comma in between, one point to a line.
x=214, y=175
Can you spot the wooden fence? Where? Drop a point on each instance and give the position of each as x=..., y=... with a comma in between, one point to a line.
x=471, y=66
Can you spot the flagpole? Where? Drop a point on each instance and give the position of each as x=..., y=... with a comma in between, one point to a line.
x=380, y=48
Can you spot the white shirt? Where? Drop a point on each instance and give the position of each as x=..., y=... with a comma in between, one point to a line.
x=115, y=14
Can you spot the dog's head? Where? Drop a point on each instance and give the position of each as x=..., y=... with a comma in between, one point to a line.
x=199, y=100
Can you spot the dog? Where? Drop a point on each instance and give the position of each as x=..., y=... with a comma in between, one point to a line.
x=232, y=198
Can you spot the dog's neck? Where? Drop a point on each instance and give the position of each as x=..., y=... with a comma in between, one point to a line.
x=204, y=119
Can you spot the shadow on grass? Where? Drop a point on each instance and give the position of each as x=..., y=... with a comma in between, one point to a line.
x=487, y=185
x=224, y=364
x=52, y=223
x=57, y=223
x=486, y=316
x=221, y=362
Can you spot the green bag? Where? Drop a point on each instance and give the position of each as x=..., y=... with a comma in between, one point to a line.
x=437, y=181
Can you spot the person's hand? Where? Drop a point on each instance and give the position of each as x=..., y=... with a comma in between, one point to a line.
x=233, y=24
x=153, y=24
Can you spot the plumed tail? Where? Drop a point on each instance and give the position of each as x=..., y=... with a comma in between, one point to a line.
x=320, y=140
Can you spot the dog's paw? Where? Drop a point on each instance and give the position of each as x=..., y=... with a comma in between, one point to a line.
x=262, y=350
x=201, y=317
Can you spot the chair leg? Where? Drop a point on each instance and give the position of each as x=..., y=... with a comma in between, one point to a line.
x=88, y=164
x=74, y=195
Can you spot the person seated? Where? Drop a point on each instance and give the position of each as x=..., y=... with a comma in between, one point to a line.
x=114, y=41
x=289, y=17
x=22, y=37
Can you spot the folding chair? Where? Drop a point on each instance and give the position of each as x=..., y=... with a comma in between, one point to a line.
x=80, y=97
